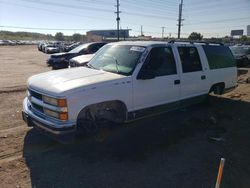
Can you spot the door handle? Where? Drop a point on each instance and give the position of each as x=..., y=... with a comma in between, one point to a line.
x=176, y=82
x=203, y=77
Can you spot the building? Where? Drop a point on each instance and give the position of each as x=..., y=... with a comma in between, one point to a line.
x=238, y=32
x=98, y=35
x=248, y=30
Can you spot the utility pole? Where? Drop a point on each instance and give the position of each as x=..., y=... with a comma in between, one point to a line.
x=163, y=28
x=180, y=19
x=118, y=18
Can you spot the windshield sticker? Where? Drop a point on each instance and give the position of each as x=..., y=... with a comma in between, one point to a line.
x=137, y=49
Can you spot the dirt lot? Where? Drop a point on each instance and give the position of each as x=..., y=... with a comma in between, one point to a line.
x=176, y=149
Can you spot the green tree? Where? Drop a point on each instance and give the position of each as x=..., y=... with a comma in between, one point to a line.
x=244, y=38
x=195, y=36
x=59, y=36
x=77, y=37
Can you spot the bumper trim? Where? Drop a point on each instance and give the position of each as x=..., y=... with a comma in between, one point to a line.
x=31, y=122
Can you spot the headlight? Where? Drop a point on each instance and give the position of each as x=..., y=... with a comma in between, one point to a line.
x=59, y=115
x=54, y=101
x=72, y=63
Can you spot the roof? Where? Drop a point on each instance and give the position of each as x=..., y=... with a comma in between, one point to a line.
x=140, y=43
x=151, y=43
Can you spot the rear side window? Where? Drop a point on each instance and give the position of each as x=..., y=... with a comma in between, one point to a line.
x=190, y=59
x=219, y=57
x=93, y=48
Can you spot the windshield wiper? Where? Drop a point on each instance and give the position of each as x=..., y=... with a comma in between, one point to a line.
x=116, y=64
x=90, y=66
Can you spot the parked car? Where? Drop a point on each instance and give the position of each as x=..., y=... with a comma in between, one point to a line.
x=81, y=60
x=39, y=46
x=61, y=60
x=7, y=42
x=241, y=54
x=126, y=81
x=51, y=49
x=43, y=46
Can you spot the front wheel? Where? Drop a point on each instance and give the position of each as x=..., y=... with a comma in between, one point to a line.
x=88, y=123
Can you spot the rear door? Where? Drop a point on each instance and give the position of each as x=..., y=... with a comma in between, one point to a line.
x=194, y=76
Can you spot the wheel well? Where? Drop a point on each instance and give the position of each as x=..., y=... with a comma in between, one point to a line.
x=115, y=111
x=217, y=88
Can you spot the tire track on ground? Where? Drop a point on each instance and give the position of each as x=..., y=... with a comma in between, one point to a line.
x=13, y=89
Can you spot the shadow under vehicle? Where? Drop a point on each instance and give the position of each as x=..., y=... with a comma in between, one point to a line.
x=168, y=150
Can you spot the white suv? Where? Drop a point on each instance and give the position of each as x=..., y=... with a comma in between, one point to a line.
x=125, y=81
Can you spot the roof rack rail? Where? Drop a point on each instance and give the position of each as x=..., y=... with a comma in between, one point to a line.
x=193, y=41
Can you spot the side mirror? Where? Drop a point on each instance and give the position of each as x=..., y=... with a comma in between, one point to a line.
x=145, y=75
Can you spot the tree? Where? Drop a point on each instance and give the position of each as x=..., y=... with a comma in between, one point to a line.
x=243, y=38
x=77, y=37
x=59, y=36
x=195, y=36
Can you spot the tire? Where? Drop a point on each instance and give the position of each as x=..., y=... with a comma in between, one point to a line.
x=218, y=89
x=88, y=123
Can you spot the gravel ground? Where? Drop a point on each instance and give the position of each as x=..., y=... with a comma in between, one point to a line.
x=176, y=149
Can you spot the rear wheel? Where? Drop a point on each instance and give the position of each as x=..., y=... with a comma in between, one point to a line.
x=218, y=89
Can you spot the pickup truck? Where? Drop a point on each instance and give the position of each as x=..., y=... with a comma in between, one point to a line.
x=126, y=81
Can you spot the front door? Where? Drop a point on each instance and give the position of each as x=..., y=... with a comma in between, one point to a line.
x=163, y=87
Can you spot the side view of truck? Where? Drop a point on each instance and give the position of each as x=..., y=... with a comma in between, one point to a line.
x=126, y=81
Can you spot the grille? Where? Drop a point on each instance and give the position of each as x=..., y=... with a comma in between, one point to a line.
x=39, y=97
x=37, y=107
x=35, y=94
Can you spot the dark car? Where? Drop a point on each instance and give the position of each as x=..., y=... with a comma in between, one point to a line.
x=241, y=54
x=61, y=60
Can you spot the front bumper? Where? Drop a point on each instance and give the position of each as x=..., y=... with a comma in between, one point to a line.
x=60, y=65
x=50, y=62
x=55, y=130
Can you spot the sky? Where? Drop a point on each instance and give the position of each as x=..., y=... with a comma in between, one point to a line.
x=211, y=18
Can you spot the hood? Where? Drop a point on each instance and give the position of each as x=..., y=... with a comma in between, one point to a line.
x=83, y=58
x=59, y=82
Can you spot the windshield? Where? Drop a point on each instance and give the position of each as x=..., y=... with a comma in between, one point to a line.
x=78, y=48
x=120, y=59
x=240, y=50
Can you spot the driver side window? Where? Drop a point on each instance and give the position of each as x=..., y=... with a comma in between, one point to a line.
x=160, y=62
